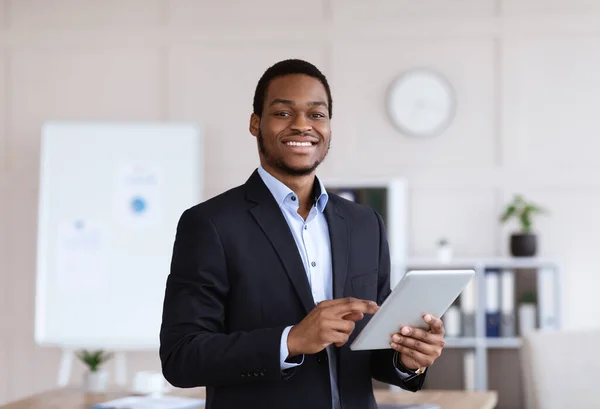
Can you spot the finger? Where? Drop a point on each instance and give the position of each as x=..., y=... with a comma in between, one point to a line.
x=420, y=358
x=422, y=335
x=335, y=301
x=342, y=325
x=354, y=305
x=336, y=337
x=354, y=316
x=415, y=344
x=436, y=324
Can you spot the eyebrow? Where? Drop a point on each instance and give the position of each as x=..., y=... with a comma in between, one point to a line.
x=290, y=102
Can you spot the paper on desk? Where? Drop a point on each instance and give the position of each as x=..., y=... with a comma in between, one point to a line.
x=150, y=402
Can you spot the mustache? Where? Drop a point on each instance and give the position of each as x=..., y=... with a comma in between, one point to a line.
x=309, y=134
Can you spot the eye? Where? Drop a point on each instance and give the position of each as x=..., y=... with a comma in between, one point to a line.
x=282, y=114
x=318, y=115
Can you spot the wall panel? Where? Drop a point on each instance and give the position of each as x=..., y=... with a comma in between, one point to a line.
x=4, y=92
x=558, y=7
x=3, y=5
x=283, y=13
x=22, y=226
x=551, y=99
x=5, y=282
x=85, y=14
x=400, y=9
x=77, y=84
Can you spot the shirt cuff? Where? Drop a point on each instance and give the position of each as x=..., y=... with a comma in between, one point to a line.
x=284, y=352
x=401, y=373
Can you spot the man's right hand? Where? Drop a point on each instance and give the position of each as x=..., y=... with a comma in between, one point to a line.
x=330, y=322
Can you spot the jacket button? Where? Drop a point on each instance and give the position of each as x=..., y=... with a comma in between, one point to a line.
x=319, y=360
x=263, y=372
x=248, y=373
x=243, y=375
x=256, y=373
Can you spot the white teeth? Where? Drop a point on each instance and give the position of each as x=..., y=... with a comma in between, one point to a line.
x=298, y=143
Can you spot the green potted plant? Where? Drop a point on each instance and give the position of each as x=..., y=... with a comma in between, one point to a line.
x=96, y=377
x=523, y=243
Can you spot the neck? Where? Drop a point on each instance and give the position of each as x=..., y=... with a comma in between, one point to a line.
x=301, y=185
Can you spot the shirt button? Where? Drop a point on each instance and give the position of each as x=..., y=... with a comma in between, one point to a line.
x=313, y=264
x=305, y=227
x=293, y=198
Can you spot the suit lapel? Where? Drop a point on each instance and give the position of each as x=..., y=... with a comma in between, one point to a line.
x=338, y=233
x=270, y=219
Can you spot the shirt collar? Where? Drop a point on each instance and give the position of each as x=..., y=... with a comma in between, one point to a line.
x=280, y=191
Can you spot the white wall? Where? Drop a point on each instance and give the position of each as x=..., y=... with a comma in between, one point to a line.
x=525, y=72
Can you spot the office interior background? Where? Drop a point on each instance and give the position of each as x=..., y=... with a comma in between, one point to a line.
x=525, y=73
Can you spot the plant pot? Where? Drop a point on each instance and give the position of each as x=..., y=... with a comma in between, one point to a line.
x=523, y=245
x=527, y=318
x=96, y=381
x=444, y=254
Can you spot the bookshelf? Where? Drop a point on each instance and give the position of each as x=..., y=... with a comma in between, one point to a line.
x=541, y=276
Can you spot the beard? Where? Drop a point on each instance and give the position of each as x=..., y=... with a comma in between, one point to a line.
x=280, y=164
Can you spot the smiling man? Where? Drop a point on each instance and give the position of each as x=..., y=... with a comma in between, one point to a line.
x=271, y=281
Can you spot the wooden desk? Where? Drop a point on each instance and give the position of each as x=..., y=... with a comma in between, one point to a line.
x=72, y=398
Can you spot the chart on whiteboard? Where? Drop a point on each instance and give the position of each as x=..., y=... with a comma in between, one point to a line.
x=138, y=195
x=81, y=256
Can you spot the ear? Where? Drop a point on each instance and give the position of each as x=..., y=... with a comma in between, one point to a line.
x=254, y=124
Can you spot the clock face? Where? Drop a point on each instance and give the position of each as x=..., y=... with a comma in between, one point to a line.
x=421, y=103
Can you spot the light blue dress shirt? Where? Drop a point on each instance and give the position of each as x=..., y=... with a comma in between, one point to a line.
x=312, y=239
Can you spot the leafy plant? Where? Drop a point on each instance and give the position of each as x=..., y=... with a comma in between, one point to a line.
x=528, y=297
x=443, y=242
x=94, y=359
x=523, y=211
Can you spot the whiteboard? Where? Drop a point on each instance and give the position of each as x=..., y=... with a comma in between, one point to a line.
x=110, y=197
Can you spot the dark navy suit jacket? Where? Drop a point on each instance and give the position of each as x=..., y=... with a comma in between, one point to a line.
x=237, y=280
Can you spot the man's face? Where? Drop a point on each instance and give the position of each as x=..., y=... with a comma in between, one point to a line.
x=294, y=131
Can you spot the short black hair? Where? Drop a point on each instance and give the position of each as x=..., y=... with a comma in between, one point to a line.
x=288, y=67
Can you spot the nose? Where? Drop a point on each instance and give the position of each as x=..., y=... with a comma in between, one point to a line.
x=301, y=124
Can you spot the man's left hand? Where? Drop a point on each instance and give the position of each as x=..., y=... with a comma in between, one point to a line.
x=417, y=347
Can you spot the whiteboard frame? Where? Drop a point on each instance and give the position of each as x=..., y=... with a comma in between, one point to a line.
x=40, y=331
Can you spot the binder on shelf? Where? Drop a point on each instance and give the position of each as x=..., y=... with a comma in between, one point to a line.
x=547, y=302
x=469, y=370
x=507, y=303
x=467, y=305
x=492, y=308
x=452, y=321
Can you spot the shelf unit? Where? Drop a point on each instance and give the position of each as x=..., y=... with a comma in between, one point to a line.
x=547, y=287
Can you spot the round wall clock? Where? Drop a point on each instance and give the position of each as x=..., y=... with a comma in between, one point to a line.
x=421, y=102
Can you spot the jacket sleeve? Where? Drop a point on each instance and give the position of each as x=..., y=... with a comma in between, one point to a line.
x=195, y=348
x=383, y=361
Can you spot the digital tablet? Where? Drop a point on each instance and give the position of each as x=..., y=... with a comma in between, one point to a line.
x=418, y=293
